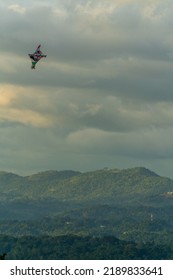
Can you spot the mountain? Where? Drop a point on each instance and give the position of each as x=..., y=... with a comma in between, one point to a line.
x=135, y=185
x=131, y=204
x=53, y=192
x=51, y=176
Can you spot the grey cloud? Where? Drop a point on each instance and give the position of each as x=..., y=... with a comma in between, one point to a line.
x=104, y=90
x=26, y=148
x=149, y=144
x=73, y=109
x=69, y=41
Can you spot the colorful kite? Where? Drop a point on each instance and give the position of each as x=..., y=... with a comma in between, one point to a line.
x=36, y=56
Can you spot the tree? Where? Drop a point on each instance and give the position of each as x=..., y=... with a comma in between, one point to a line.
x=2, y=257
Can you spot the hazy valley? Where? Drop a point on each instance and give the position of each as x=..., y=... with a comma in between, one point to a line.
x=134, y=205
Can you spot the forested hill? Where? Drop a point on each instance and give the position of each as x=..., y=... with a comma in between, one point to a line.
x=71, y=247
x=102, y=185
x=107, y=185
x=131, y=204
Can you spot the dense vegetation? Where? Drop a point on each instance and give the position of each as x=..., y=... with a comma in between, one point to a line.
x=71, y=247
x=132, y=205
x=136, y=224
x=102, y=186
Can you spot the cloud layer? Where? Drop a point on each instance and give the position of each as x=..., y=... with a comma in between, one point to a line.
x=102, y=97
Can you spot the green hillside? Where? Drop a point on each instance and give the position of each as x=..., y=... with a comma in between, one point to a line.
x=136, y=185
x=70, y=247
x=51, y=193
x=132, y=205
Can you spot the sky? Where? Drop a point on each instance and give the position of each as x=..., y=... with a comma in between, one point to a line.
x=103, y=96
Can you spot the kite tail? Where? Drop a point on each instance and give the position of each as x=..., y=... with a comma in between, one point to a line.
x=33, y=64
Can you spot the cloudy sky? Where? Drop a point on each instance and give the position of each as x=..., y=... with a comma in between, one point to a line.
x=103, y=97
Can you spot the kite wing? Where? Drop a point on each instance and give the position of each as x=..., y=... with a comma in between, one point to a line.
x=36, y=56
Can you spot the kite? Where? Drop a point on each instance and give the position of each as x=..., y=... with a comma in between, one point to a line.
x=36, y=56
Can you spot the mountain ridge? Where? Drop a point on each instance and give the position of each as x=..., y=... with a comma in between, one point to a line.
x=140, y=169
x=124, y=202
x=99, y=185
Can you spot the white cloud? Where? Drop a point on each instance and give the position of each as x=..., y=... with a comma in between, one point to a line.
x=27, y=115
x=61, y=13
x=17, y=8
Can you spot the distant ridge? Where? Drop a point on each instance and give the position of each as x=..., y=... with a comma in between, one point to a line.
x=65, y=174
x=52, y=175
x=101, y=185
x=132, y=204
x=51, y=191
x=140, y=171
